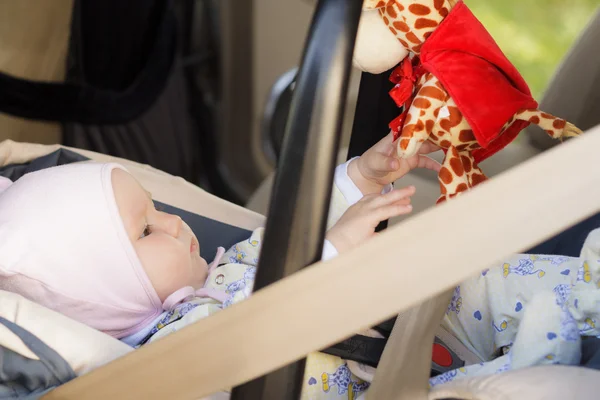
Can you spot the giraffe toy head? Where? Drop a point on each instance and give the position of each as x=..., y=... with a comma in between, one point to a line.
x=390, y=30
x=377, y=49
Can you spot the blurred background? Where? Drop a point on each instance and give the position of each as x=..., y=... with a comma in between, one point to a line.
x=200, y=88
x=535, y=35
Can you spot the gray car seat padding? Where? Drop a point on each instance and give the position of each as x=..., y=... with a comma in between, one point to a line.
x=25, y=378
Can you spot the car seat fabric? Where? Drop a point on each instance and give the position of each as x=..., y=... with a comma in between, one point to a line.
x=590, y=352
x=56, y=158
x=569, y=242
x=22, y=377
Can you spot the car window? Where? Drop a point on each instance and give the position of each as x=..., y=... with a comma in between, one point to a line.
x=535, y=35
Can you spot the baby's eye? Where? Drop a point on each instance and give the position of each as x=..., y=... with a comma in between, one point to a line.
x=145, y=232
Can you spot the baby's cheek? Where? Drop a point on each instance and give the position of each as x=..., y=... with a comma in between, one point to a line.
x=178, y=263
x=166, y=263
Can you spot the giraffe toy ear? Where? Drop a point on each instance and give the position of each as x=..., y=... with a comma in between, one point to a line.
x=377, y=49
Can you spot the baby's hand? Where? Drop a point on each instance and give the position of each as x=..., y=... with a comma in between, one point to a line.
x=359, y=221
x=380, y=165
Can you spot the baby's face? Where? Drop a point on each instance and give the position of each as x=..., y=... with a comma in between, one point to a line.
x=165, y=245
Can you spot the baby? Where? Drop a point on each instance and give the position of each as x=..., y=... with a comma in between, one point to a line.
x=86, y=241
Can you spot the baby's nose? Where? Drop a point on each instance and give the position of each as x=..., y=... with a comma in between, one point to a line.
x=172, y=224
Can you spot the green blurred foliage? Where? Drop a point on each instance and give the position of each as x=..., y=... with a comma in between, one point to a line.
x=535, y=34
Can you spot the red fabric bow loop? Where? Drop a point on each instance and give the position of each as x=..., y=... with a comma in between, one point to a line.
x=405, y=76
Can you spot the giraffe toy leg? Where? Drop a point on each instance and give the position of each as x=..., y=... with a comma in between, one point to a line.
x=457, y=173
x=474, y=173
x=421, y=116
x=556, y=127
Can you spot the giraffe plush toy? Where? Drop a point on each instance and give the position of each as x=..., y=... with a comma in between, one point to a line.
x=457, y=88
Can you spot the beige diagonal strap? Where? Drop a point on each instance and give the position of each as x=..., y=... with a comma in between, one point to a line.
x=326, y=303
x=403, y=372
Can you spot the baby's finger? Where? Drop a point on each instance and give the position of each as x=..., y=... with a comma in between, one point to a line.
x=394, y=196
x=428, y=147
x=385, y=144
x=404, y=201
x=428, y=163
x=393, y=210
x=382, y=164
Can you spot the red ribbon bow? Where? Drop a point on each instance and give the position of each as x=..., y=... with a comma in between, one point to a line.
x=405, y=76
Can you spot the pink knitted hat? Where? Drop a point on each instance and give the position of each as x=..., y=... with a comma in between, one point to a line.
x=64, y=246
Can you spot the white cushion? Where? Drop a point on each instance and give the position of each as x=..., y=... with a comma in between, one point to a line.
x=536, y=383
x=82, y=347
